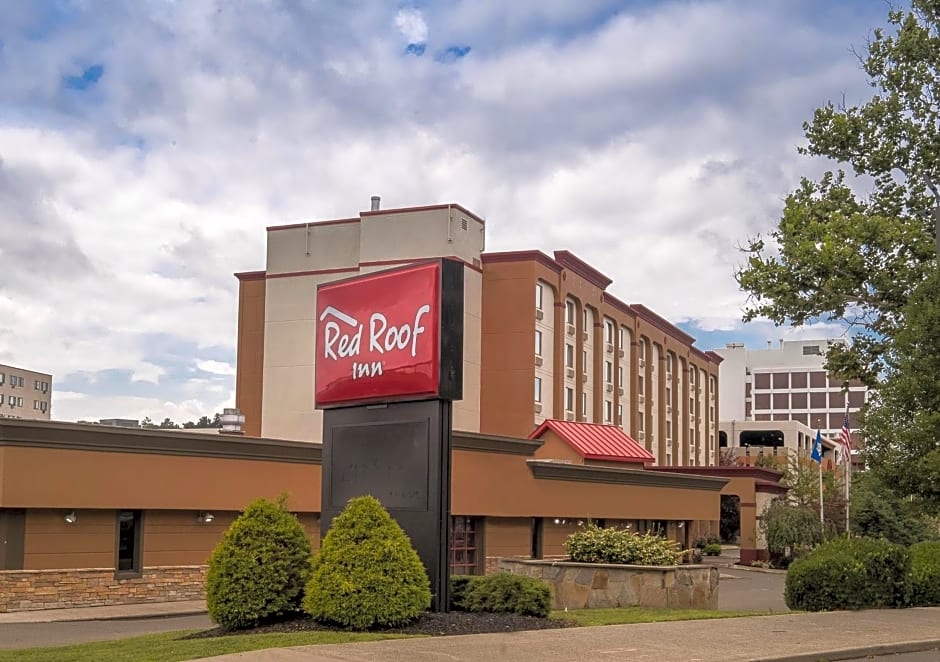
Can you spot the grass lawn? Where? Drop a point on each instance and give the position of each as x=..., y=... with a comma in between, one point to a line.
x=627, y=615
x=167, y=647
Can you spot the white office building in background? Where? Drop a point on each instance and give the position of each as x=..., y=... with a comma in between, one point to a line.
x=786, y=383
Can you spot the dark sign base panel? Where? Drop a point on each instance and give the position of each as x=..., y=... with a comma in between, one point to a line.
x=400, y=453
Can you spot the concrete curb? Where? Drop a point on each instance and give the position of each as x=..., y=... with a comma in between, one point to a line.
x=769, y=571
x=861, y=651
x=140, y=617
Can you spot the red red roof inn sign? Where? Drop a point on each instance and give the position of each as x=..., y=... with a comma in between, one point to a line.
x=391, y=336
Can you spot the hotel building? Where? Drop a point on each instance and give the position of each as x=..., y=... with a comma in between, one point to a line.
x=543, y=338
x=787, y=383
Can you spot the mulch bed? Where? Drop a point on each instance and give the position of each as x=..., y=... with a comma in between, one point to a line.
x=429, y=624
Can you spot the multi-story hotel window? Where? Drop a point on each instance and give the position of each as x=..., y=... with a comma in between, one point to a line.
x=608, y=411
x=609, y=371
x=463, y=546
x=538, y=296
x=619, y=414
x=1, y=378
x=641, y=385
x=128, y=542
x=538, y=342
x=569, y=399
x=569, y=312
x=608, y=332
x=584, y=404
x=620, y=376
x=569, y=355
x=538, y=389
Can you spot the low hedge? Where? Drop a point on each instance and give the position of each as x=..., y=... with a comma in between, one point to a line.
x=501, y=593
x=925, y=574
x=459, y=584
x=712, y=549
x=850, y=573
x=594, y=544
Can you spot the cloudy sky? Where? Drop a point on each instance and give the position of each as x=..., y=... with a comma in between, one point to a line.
x=146, y=144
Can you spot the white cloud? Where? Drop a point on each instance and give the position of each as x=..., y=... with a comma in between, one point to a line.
x=410, y=22
x=216, y=367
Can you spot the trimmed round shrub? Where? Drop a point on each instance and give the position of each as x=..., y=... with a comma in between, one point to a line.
x=849, y=573
x=594, y=544
x=366, y=574
x=925, y=574
x=505, y=592
x=712, y=549
x=258, y=570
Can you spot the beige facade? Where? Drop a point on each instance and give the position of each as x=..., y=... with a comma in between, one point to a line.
x=302, y=256
x=25, y=394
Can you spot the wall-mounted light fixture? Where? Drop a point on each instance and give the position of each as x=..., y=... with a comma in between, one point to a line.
x=681, y=525
x=71, y=518
x=205, y=517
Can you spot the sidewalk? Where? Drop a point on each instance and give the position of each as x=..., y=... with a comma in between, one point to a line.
x=106, y=613
x=790, y=638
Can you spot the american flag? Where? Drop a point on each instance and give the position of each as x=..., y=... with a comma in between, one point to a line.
x=845, y=436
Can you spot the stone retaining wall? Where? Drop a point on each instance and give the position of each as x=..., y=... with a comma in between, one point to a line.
x=597, y=585
x=24, y=590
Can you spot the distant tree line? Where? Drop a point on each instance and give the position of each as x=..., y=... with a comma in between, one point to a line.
x=168, y=424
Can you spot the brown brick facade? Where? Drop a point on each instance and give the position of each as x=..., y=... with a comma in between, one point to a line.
x=24, y=590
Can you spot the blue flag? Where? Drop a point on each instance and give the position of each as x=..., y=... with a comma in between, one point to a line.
x=817, y=448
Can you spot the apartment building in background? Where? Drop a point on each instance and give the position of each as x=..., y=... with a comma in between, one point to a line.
x=25, y=394
x=543, y=336
x=787, y=383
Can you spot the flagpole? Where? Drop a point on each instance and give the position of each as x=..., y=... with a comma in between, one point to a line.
x=822, y=519
x=848, y=468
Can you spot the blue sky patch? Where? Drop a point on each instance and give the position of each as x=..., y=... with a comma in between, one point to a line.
x=88, y=78
x=452, y=53
x=416, y=49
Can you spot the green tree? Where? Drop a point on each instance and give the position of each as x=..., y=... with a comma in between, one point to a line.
x=902, y=419
x=168, y=424
x=147, y=423
x=879, y=513
x=789, y=530
x=858, y=257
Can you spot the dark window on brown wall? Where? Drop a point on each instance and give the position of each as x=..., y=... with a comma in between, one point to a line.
x=781, y=380
x=722, y=439
x=781, y=417
x=463, y=546
x=747, y=389
x=817, y=380
x=835, y=421
x=762, y=380
x=817, y=400
x=798, y=379
x=836, y=383
x=798, y=400
x=836, y=400
x=856, y=383
x=129, y=530
x=747, y=409
x=781, y=400
x=762, y=401
x=856, y=399
x=538, y=529
x=762, y=417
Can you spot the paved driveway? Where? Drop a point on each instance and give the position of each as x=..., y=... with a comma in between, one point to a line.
x=28, y=635
x=751, y=590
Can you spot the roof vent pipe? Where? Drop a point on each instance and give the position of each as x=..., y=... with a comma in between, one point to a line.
x=375, y=202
